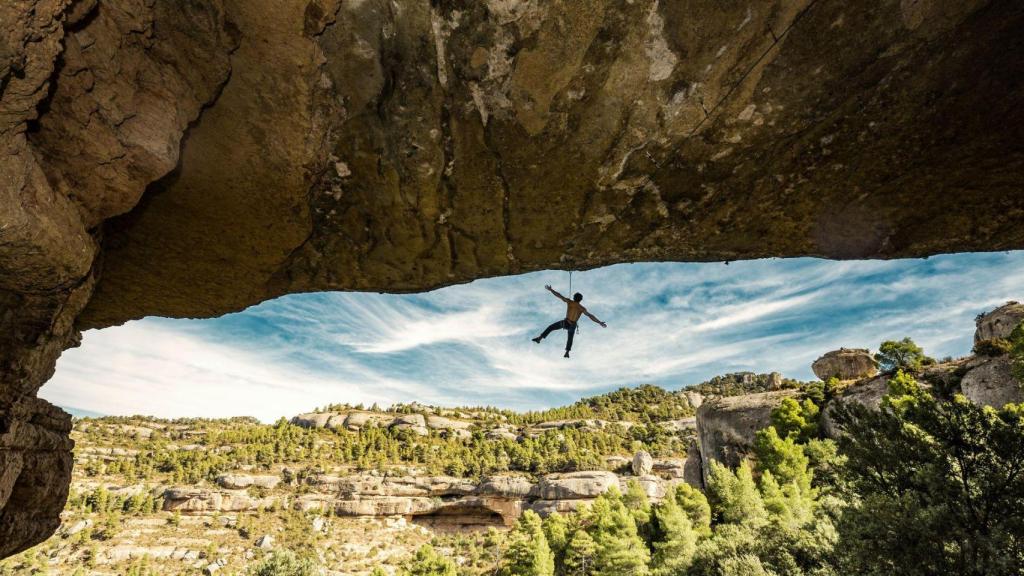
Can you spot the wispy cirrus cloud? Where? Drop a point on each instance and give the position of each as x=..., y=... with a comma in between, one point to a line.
x=669, y=324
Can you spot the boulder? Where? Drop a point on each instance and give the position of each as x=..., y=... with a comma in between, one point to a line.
x=312, y=419
x=642, y=463
x=1000, y=322
x=617, y=463
x=845, y=364
x=575, y=485
x=547, y=507
x=355, y=421
x=726, y=425
x=990, y=382
x=501, y=433
x=414, y=422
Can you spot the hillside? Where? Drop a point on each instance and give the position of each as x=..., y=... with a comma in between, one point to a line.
x=365, y=487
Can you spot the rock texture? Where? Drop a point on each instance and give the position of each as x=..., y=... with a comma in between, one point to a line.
x=401, y=146
x=726, y=426
x=990, y=381
x=845, y=364
x=1000, y=322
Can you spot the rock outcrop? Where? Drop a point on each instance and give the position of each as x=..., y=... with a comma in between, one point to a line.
x=990, y=381
x=845, y=364
x=726, y=426
x=472, y=141
x=1000, y=322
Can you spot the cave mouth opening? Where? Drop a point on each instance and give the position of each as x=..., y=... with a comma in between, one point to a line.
x=460, y=518
x=669, y=324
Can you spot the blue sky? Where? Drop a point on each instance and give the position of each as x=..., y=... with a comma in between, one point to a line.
x=669, y=324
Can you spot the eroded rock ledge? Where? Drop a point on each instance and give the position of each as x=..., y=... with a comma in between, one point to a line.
x=401, y=146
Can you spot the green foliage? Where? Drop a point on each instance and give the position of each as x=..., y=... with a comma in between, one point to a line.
x=734, y=496
x=674, y=549
x=937, y=486
x=903, y=355
x=556, y=530
x=581, y=555
x=1017, y=353
x=428, y=562
x=284, y=563
x=796, y=419
x=695, y=504
x=740, y=383
x=528, y=553
x=783, y=459
x=992, y=347
x=620, y=550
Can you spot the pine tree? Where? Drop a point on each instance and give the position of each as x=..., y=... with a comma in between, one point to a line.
x=528, y=553
x=734, y=496
x=580, y=554
x=620, y=550
x=556, y=530
x=674, y=552
x=696, y=506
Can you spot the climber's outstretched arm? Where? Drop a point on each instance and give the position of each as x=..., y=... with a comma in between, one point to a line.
x=594, y=318
x=557, y=295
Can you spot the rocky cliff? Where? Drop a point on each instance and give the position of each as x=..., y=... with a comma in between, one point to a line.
x=190, y=159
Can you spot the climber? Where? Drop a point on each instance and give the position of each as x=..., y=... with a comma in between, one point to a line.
x=573, y=311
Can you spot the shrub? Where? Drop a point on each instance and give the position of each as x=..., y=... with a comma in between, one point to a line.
x=993, y=347
x=900, y=355
x=284, y=563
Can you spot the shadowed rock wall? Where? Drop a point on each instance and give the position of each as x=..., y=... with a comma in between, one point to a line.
x=193, y=158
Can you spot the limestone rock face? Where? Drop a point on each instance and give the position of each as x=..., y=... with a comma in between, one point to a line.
x=990, y=382
x=726, y=425
x=242, y=481
x=845, y=364
x=575, y=485
x=1000, y=322
x=469, y=141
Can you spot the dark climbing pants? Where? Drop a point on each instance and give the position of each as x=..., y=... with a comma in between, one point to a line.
x=566, y=324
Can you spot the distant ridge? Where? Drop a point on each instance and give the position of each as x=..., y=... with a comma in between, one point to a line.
x=79, y=413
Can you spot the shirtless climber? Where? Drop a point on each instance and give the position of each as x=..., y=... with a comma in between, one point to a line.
x=573, y=311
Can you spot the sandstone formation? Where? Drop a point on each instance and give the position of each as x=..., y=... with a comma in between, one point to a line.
x=1000, y=322
x=191, y=159
x=726, y=426
x=990, y=381
x=845, y=364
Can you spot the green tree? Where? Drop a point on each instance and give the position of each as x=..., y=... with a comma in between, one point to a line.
x=673, y=552
x=620, y=550
x=427, y=562
x=783, y=458
x=733, y=495
x=580, y=555
x=796, y=419
x=939, y=486
x=896, y=355
x=528, y=553
x=556, y=530
x=696, y=506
